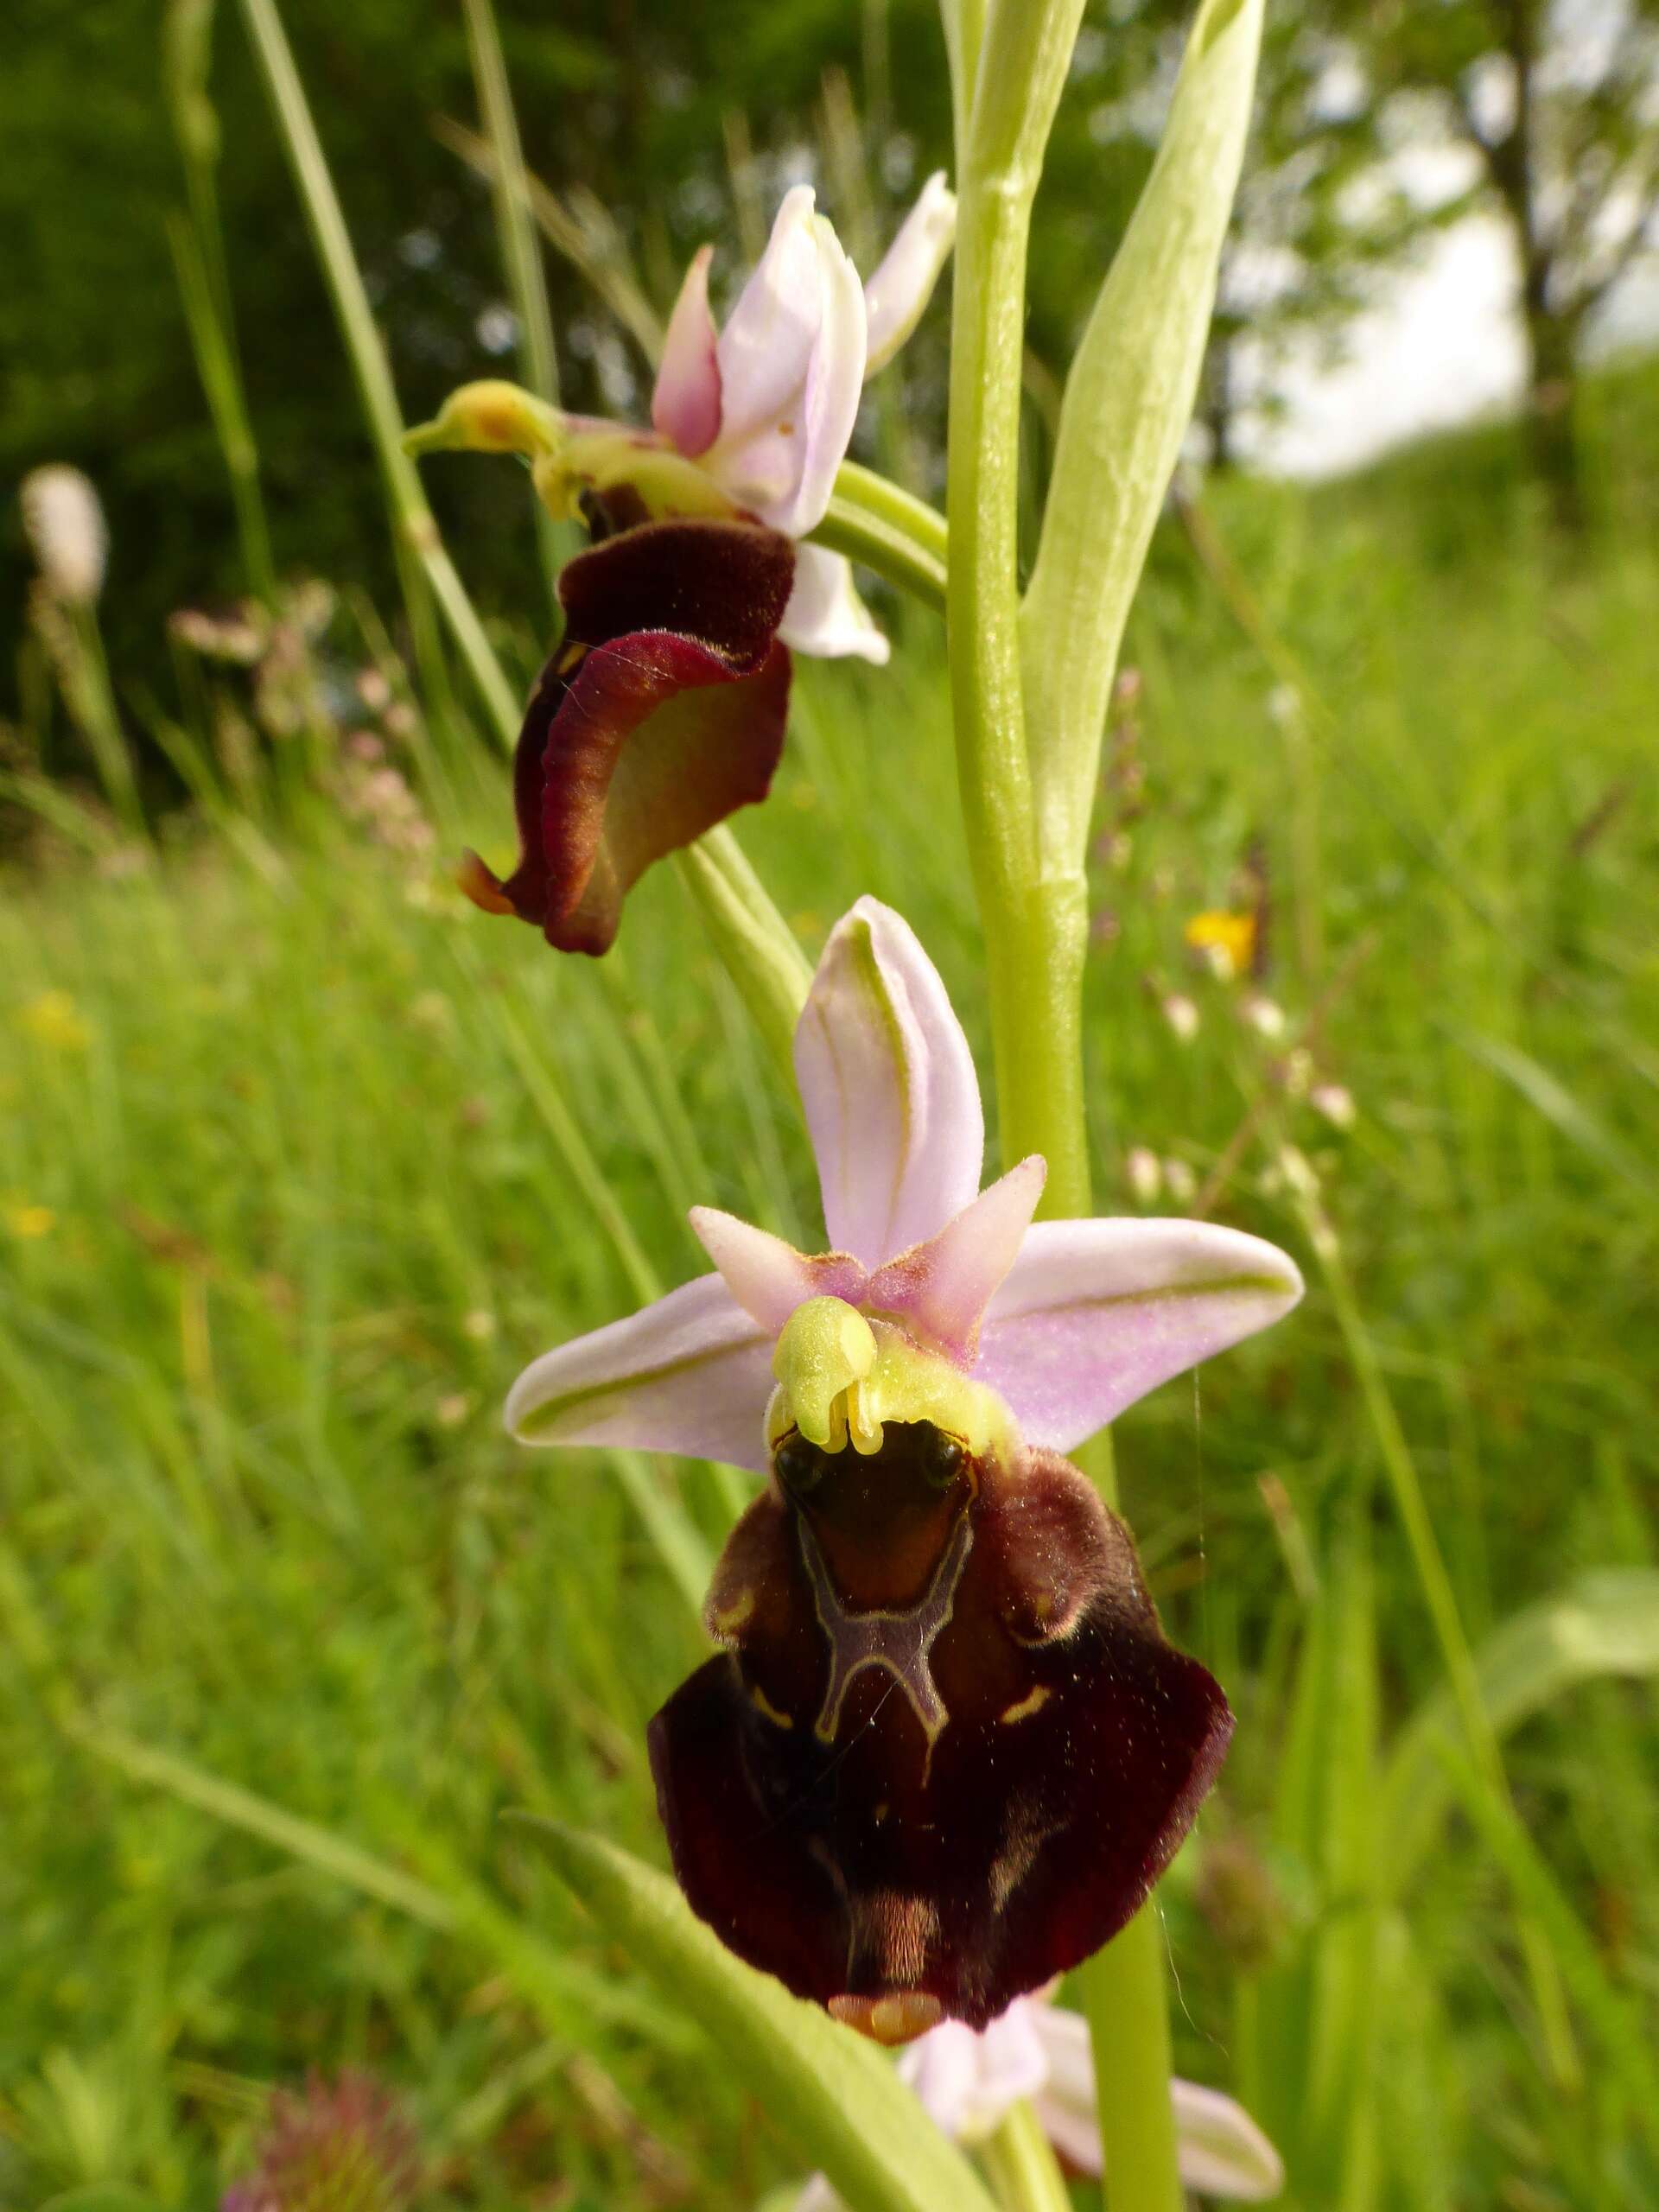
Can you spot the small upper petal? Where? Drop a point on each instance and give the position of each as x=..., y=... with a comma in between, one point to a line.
x=766, y=1276
x=1093, y=1314
x=943, y=1287
x=689, y=1374
x=888, y=1086
x=902, y=286
x=685, y=404
x=825, y=615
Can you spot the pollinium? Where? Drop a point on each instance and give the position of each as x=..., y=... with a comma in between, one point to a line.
x=946, y=1748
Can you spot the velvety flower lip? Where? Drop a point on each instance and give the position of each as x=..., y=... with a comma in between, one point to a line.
x=661, y=712
x=1067, y=1322
x=947, y=1748
x=968, y=2079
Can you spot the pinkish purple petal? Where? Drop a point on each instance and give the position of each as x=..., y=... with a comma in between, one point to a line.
x=902, y=286
x=825, y=616
x=767, y=1277
x=685, y=404
x=943, y=1287
x=888, y=1086
x=791, y=367
x=692, y=1374
x=1096, y=1314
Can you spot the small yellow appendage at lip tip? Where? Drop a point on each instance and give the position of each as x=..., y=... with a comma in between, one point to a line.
x=888, y=2020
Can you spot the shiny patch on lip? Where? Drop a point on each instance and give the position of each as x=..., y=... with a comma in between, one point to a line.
x=888, y=2019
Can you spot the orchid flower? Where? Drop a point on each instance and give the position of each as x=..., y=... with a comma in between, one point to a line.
x=967, y=2080
x=946, y=1748
x=767, y=406
x=663, y=710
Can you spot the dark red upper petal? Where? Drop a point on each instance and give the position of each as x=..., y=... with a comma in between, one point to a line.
x=968, y=1860
x=663, y=712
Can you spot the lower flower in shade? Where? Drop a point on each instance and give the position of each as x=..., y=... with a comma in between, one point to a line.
x=967, y=2080
x=945, y=1748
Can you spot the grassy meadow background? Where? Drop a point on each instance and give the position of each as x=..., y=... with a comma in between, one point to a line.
x=300, y=1158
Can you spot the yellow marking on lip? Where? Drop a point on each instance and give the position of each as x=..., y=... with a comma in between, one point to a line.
x=571, y=659
x=733, y=1617
x=1026, y=1706
x=764, y=1705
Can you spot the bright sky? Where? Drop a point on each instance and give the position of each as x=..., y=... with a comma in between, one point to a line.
x=1444, y=344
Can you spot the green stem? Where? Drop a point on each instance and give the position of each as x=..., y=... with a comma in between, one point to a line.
x=521, y=251
x=755, y=943
x=1032, y=901
x=412, y=519
x=901, y=538
x=1021, y=2168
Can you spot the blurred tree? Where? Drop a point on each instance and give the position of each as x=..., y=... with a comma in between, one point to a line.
x=1558, y=102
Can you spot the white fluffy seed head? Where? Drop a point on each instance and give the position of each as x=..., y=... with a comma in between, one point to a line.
x=66, y=532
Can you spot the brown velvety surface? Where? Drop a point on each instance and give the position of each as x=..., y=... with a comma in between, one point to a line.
x=662, y=713
x=992, y=1797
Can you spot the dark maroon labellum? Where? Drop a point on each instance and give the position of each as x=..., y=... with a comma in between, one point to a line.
x=947, y=1750
x=662, y=713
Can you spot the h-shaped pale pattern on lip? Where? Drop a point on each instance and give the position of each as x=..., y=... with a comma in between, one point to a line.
x=1067, y=1322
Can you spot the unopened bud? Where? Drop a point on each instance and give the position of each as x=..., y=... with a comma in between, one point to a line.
x=1336, y=1101
x=1181, y=1182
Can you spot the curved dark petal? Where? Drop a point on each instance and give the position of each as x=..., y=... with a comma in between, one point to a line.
x=662, y=713
x=967, y=1837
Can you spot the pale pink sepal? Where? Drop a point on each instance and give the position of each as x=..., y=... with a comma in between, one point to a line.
x=1222, y=2152
x=1094, y=1314
x=888, y=1086
x=690, y=1374
x=791, y=367
x=767, y=1277
x=825, y=615
x=943, y=1287
x=685, y=404
x=902, y=286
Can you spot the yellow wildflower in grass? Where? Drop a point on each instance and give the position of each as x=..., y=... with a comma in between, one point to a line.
x=26, y=1221
x=1227, y=940
x=55, y=1020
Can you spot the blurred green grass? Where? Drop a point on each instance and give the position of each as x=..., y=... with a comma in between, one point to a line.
x=301, y=1159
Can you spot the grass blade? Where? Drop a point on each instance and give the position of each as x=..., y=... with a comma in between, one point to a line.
x=834, y=2092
